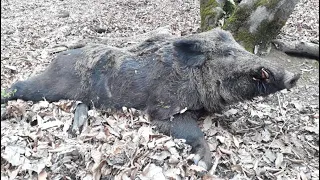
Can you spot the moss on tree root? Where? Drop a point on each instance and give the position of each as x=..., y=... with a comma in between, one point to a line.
x=207, y=12
x=210, y=13
x=237, y=21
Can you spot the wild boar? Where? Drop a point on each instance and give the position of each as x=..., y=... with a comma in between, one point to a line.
x=175, y=80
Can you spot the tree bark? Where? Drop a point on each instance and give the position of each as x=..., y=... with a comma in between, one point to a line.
x=299, y=48
x=253, y=23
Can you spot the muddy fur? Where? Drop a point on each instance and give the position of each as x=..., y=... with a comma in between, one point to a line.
x=163, y=75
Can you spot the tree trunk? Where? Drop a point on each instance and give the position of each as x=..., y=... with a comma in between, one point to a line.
x=253, y=23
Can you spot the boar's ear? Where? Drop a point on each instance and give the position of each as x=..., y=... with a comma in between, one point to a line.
x=189, y=52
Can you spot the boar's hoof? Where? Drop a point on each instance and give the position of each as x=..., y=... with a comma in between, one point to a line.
x=202, y=153
x=80, y=118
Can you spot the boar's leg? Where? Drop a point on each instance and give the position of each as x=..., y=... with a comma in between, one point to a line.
x=59, y=81
x=184, y=126
x=80, y=118
x=31, y=90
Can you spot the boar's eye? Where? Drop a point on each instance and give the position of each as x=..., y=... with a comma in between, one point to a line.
x=229, y=53
x=262, y=74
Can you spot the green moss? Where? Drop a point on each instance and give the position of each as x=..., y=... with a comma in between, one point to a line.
x=237, y=19
x=236, y=23
x=270, y=4
x=266, y=31
x=246, y=39
x=207, y=12
x=229, y=7
x=6, y=94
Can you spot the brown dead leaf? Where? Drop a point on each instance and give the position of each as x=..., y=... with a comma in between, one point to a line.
x=169, y=144
x=151, y=171
x=245, y=156
x=236, y=167
x=270, y=155
x=254, y=113
x=211, y=177
x=161, y=156
x=173, y=173
x=266, y=136
x=96, y=170
x=221, y=139
x=112, y=131
x=225, y=151
x=12, y=154
x=312, y=129
x=49, y=124
x=302, y=176
x=231, y=112
x=145, y=132
x=196, y=168
x=279, y=160
x=16, y=109
x=25, y=53
x=65, y=105
x=12, y=68
x=236, y=142
x=96, y=155
x=13, y=174
x=174, y=159
x=207, y=123
x=42, y=175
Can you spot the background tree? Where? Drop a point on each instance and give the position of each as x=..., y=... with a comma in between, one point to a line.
x=253, y=23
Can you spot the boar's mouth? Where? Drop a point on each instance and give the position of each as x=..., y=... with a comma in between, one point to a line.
x=263, y=78
x=262, y=75
x=267, y=83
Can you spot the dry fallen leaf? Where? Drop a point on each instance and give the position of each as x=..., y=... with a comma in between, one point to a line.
x=270, y=155
x=30, y=33
x=151, y=171
x=231, y=112
x=13, y=174
x=197, y=168
x=279, y=160
x=266, y=136
x=235, y=141
x=42, y=175
x=207, y=123
x=221, y=139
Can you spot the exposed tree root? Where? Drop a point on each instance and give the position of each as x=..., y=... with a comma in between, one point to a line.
x=298, y=48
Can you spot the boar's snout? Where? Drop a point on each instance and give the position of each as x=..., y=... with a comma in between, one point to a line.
x=290, y=79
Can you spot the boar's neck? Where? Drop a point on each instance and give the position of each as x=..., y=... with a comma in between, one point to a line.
x=172, y=90
x=208, y=88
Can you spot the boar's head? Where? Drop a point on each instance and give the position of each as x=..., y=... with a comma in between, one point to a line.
x=227, y=73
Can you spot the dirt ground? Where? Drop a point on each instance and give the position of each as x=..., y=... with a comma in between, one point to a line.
x=276, y=137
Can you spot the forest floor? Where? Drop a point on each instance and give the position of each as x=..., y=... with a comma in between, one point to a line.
x=276, y=137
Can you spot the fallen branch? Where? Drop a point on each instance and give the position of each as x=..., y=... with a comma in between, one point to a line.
x=298, y=48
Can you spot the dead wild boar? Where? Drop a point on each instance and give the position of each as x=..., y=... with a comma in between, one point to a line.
x=199, y=73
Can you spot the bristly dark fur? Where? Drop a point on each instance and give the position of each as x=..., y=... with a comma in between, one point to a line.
x=163, y=76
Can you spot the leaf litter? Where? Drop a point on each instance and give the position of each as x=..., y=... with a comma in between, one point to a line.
x=276, y=137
